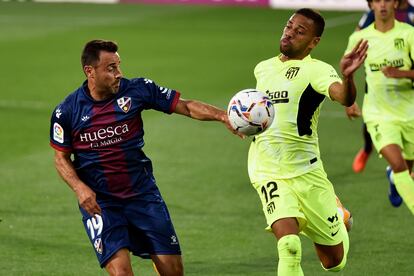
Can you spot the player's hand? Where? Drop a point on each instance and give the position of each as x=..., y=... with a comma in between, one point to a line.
x=392, y=72
x=87, y=200
x=353, y=111
x=225, y=120
x=351, y=61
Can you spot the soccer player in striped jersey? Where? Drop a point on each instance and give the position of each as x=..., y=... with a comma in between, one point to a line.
x=100, y=126
x=284, y=162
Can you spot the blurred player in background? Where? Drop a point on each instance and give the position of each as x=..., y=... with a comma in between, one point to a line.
x=284, y=162
x=403, y=13
x=100, y=125
x=388, y=108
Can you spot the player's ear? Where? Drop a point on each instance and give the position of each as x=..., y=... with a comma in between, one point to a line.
x=87, y=69
x=314, y=42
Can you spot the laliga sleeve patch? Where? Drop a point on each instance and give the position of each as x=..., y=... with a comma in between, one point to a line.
x=58, y=133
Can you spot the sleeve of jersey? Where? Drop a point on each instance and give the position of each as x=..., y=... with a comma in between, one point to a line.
x=351, y=42
x=60, y=130
x=161, y=98
x=322, y=76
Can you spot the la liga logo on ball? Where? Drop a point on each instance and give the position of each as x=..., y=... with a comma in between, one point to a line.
x=250, y=112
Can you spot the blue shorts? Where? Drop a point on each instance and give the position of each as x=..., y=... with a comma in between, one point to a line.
x=141, y=224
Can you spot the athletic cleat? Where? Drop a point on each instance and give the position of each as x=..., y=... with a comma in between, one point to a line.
x=345, y=215
x=360, y=161
x=393, y=195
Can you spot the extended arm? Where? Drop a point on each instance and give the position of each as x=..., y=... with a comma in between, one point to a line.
x=345, y=93
x=393, y=72
x=203, y=112
x=86, y=197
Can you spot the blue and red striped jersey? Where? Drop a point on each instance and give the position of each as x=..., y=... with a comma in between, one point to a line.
x=405, y=15
x=106, y=137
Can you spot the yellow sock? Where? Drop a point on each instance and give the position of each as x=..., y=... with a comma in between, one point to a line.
x=405, y=187
x=290, y=255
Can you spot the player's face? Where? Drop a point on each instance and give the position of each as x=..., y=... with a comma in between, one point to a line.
x=106, y=74
x=298, y=37
x=384, y=9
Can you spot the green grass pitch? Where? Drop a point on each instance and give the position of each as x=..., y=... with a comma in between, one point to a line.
x=208, y=53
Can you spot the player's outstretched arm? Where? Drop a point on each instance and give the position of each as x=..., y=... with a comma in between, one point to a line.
x=345, y=93
x=203, y=112
x=393, y=72
x=86, y=197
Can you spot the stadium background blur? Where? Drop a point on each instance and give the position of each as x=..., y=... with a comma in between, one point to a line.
x=208, y=52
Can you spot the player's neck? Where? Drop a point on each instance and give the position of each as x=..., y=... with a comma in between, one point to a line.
x=96, y=94
x=384, y=26
x=284, y=57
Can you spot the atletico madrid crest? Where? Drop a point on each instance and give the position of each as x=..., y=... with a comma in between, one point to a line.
x=124, y=103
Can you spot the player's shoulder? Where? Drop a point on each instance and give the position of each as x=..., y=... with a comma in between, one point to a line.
x=70, y=100
x=362, y=33
x=318, y=69
x=267, y=62
x=65, y=109
x=264, y=65
x=139, y=81
x=316, y=63
x=404, y=26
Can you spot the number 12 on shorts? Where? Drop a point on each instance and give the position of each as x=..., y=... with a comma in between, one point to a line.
x=269, y=192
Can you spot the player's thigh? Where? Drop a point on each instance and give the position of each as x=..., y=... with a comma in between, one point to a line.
x=108, y=232
x=318, y=201
x=171, y=265
x=120, y=263
x=279, y=200
x=150, y=226
x=393, y=154
x=385, y=133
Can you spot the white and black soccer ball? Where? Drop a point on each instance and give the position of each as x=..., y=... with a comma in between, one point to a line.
x=250, y=112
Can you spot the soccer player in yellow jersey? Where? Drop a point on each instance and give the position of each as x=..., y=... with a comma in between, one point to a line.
x=388, y=107
x=284, y=162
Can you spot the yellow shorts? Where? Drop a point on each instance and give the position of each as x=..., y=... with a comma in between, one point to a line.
x=399, y=133
x=311, y=199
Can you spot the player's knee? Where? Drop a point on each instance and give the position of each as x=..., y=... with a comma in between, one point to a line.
x=172, y=268
x=289, y=247
x=334, y=264
x=120, y=271
x=177, y=269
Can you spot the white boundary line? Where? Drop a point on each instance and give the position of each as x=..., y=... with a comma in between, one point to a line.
x=26, y=105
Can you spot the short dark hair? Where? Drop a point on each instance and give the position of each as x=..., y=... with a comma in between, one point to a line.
x=90, y=53
x=316, y=17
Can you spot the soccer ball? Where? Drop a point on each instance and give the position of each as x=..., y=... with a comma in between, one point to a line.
x=250, y=112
